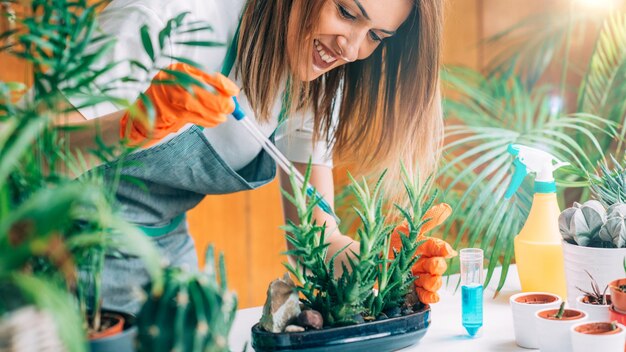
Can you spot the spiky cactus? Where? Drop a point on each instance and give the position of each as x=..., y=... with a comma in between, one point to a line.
x=191, y=312
x=394, y=276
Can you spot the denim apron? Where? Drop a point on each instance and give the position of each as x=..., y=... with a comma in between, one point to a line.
x=173, y=177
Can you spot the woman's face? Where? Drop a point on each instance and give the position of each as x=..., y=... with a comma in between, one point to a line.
x=347, y=30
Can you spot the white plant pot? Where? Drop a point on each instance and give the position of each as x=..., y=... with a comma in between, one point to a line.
x=524, y=320
x=605, y=343
x=604, y=264
x=594, y=312
x=554, y=335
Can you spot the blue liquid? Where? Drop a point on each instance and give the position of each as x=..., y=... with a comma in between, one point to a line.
x=472, y=308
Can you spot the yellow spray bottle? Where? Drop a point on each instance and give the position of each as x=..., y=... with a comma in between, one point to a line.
x=538, y=248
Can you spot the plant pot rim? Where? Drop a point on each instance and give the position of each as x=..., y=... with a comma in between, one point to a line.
x=579, y=316
x=599, y=249
x=575, y=327
x=113, y=330
x=128, y=328
x=387, y=335
x=515, y=297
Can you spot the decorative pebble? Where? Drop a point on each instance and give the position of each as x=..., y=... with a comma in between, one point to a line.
x=358, y=318
x=393, y=312
x=311, y=319
x=407, y=311
x=294, y=328
x=382, y=316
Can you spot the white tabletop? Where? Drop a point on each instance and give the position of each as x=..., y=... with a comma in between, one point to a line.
x=445, y=332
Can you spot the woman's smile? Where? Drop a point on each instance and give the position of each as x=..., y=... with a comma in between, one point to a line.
x=323, y=57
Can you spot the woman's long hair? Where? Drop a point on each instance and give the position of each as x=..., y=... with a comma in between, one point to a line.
x=390, y=108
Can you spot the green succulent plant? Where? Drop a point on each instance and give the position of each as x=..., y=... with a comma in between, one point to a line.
x=340, y=298
x=581, y=224
x=590, y=225
x=193, y=311
x=614, y=230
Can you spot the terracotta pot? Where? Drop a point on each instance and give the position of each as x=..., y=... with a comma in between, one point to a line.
x=618, y=297
x=122, y=342
x=596, y=312
x=524, y=306
x=616, y=316
x=554, y=334
x=112, y=324
x=597, y=336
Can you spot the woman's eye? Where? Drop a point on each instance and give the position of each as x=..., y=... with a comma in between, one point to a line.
x=375, y=37
x=345, y=13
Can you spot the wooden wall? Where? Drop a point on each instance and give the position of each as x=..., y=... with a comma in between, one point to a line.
x=245, y=226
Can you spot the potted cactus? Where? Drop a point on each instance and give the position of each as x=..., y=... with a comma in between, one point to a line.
x=594, y=241
x=553, y=327
x=598, y=336
x=524, y=306
x=189, y=312
x=347, y=312
x=596, y=302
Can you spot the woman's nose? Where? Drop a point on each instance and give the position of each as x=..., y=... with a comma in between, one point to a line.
x=348, y=50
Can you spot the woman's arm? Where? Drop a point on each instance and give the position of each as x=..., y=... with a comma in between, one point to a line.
x=322, y=180
x=84, y=138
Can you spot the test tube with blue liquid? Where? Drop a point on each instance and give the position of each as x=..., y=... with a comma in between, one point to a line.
x=472, y=289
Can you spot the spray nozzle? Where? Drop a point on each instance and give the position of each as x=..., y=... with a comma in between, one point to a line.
x=534, y=160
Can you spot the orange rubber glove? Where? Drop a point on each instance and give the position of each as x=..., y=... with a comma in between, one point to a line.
x=175, y=106
x=433, y=254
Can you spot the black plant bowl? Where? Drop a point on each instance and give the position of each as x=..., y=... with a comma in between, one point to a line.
x=380, y=336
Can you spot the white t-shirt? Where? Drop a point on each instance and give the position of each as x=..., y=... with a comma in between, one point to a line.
x=123, y=20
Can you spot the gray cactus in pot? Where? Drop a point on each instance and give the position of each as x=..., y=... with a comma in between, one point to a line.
x=581, y=223
x=614, y=229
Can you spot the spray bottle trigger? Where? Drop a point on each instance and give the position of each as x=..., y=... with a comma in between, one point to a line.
x=518, y=177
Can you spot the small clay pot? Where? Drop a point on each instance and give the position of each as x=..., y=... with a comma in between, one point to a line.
x=597, y=336
x=554, y=334
x=112, y=324
x=618, y=297
x=596, y=312
x=524, y=306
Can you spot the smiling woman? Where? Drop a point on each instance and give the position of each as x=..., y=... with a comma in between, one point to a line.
x=357, y=81
x=378, y=61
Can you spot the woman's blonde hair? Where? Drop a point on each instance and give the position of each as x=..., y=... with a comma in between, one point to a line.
x=390, y=106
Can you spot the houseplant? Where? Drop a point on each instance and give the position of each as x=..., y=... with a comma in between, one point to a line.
x=524, y=306
x=553, y=327
x=191, y=312
x=54, y=230
x=595, y=236
x=600, y=336
x=348, y=304
x=596, y=302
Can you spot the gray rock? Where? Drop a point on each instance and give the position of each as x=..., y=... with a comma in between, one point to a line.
x=281, y=306
x=294, y=328
x=311, y=319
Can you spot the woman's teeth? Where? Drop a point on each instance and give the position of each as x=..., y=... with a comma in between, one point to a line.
x=329, y=59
